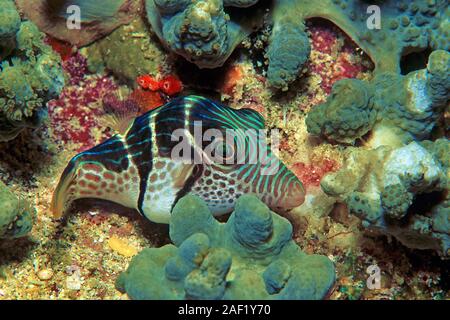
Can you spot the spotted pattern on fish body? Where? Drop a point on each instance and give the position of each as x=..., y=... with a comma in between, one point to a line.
x=137, y=168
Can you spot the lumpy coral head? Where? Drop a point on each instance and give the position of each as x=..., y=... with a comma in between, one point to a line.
x=347, y=115
x=30, y=74
x=200, y=31
x=16, y=215
x=252, y=256
x=387, y=188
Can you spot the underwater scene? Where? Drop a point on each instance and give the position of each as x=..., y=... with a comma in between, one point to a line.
x=224, y=150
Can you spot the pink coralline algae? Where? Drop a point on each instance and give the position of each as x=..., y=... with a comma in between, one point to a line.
x=74, y=115
x=336, y=59
x=311, y=174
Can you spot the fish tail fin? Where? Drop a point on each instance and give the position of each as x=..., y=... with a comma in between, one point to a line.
x=62, y=197
x=119, y=111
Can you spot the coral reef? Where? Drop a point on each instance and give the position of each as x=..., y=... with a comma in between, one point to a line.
x=385, y=186
x=396, y=109
x=30, y=73
x=16, y=216
x=207, y=32
x=97, y=18
x=251, y=256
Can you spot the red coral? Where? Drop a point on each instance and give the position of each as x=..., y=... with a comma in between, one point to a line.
x=146, y=100
x=64, y=49
x=74, y=115
x=171, y=85
x=232, y=76
x=324, y=39
x=311, y=174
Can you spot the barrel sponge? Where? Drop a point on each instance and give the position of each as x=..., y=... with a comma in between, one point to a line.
x=441, y=32
x=30, y=76
x=347, y=115
x=16, y=215
x=239, y=3
x=252, y=256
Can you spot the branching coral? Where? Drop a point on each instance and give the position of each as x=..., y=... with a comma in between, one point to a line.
x=251, y=256
x=397, y=109
x=30, y=75
x=16, y=216
x=385, y=186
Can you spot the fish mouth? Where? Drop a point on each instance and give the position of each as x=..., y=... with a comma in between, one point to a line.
x=61, y=194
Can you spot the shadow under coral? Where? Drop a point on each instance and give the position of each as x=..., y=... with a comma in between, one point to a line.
x=24, y=157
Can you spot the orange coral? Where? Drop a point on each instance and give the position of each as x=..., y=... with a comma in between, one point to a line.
x=232, y=77
x=146, y=100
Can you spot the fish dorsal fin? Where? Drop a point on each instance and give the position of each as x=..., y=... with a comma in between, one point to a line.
x=119, y=123
x=119, y=111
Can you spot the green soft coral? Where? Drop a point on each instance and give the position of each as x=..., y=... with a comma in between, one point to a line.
x=16, y=216
x=30, y=75
x=252, y=256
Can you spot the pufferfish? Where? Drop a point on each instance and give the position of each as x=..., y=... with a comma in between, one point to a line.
x=136, y=167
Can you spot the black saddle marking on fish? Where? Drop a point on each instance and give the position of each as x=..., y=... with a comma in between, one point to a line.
x=196, y=174
x=139, y=143
x=169, y=118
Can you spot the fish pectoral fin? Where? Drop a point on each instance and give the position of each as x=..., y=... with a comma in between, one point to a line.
x=181, y=173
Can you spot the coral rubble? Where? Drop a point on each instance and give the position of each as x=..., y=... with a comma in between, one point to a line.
x=251, y=256
x=16, y=215
x=30, y=73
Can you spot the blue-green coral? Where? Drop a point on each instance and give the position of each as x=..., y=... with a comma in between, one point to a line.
x=201, y=31
x=252, y=256
x=30, y=74
x=384, y=187
x=207, y=32
x=16, y=215
x=396, y=109
x=406, y=26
